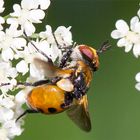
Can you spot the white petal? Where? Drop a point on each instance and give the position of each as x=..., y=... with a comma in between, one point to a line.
x=137, y=86
x=29, y=28
x=2, y=20
x=133, y=22
x=36, y=15
x=17, y=11
x=12, y=72
x=128, y=47
x=51, y=51
x=48, y=29
x=7, y=54
x=138, y=13
x=137, y=77
x=122, y=26
x=1, y=6
x=63, y=36
x=13, y=128
x=12, y=21
x=116, y=34
x=137, y=27
x=47, y=34
x=44, y=4
x=19, y=43
x=136, y=50
x=15, y=131
x=2, y=36
x=121, y=42
x=22, y=67
x=29, y=4
x=20, y=97
x=7, y=102
x=6, y=114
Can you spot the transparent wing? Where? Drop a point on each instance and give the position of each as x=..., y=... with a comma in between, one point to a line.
x=50, y=70
x=47, y=68
x=79, y=114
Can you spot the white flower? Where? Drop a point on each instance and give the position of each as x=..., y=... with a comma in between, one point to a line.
x=9, y=111
x=7, y=75
x=51, y=51
x=22, y=67
x=5, y=114
x=128, y=37
x=10, y=42
x=13, y=128
x=62, y=35
x=27, y=14
x=7, y=102
x=48, y=35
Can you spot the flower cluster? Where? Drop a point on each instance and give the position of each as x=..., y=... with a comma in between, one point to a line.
x=129, y=38
x=19, y=45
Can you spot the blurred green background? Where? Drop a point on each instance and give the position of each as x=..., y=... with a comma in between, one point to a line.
x=114, y=103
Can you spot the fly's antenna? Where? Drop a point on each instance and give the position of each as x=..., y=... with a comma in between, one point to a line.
x=105, y=46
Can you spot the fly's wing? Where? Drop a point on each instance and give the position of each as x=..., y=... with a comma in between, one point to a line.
x=47, y=68
x=79, y=114
x=50, y=70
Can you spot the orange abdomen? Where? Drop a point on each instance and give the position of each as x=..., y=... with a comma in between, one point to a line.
x=47, y=99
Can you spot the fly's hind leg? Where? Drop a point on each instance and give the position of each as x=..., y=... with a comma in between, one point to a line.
x=80, y=87
x=68, y=100
x=28, y=111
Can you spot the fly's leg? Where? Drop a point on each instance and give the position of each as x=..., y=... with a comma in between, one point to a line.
x=28, y=111
x=65, y=58
x=38, y=83
x=80, y=87
x=67, y=55
x=68, y=100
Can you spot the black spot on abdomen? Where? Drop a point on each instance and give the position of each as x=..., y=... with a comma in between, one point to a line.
x=52, y=110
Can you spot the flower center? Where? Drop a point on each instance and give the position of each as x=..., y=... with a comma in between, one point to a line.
x=133, y=37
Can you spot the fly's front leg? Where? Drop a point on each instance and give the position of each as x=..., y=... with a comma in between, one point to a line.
x=65, y=58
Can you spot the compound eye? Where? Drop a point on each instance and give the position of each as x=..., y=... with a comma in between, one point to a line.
x=86, y=52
